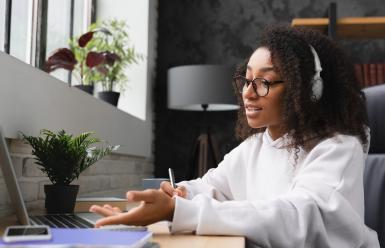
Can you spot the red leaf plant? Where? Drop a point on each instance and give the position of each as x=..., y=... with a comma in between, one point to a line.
x=65, y=58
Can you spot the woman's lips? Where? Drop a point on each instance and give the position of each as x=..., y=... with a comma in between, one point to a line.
x=252, y=110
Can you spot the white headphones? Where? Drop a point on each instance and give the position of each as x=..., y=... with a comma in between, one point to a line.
x=317, y=82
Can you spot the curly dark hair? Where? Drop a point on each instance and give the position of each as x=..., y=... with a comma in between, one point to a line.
x=341, y=109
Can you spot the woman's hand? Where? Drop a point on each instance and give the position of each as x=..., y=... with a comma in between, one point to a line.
x=166, y=187
x=155, y=206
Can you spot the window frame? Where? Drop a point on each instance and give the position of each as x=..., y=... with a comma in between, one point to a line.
x=7, y=29
x=38, y=28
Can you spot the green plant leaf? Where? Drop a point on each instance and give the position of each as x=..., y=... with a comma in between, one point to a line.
x=62, y=157
x=116, y=41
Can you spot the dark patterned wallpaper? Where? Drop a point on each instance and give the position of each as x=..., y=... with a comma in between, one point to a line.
x=224, y=32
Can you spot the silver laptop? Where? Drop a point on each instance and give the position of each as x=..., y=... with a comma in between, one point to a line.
x=81, y=220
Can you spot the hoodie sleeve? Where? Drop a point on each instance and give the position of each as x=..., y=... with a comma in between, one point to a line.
x=320, y=210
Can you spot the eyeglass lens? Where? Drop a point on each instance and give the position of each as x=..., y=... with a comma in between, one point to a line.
x=258, y=84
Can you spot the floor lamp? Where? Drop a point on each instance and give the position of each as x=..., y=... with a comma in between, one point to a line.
x=201, y=88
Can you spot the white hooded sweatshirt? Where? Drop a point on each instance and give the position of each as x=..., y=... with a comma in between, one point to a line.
x=260, y=192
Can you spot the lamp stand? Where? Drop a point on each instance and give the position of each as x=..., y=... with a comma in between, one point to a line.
x=205, y=152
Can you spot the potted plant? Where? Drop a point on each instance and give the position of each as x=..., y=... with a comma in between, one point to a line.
x=118, y=55
x=81, y=57
x=62, y=157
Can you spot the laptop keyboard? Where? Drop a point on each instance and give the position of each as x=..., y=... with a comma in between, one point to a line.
x=61, y=221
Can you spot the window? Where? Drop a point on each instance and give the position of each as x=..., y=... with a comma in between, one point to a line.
x=2, y=24
x=58, y=31
x=38, y=27
x=82, y=15
x=65, y=19
x=21, y=29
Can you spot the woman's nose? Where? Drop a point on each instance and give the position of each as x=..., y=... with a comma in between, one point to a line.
x=248, y=92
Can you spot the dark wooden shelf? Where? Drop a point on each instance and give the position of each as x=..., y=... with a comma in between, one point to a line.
x=349, y=27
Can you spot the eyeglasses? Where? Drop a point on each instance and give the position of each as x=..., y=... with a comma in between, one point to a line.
x=261, y=86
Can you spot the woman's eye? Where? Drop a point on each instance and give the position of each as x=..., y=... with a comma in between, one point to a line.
x=265, y=83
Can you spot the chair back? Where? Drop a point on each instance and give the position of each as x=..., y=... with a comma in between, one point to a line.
x=374, y=174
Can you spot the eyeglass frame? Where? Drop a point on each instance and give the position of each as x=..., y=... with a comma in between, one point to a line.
x=265, y=82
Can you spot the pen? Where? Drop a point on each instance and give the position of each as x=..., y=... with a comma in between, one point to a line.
x=172, y=178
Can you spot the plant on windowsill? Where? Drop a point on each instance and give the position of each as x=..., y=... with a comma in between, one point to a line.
x=118, y=55
x=82, y=58
x=62, y=157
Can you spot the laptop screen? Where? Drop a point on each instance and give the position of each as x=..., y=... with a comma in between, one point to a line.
x=11, y=182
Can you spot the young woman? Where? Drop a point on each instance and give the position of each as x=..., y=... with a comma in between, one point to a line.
x=297, y=178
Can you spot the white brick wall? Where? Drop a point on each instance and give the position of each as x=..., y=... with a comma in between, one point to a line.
x=111, y=176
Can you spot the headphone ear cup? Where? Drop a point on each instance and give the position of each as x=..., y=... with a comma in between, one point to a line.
x=316, y=82
x=317, y=88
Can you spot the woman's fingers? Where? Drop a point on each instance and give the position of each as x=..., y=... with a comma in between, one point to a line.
x=181, y=191
x=166, y=187
x=117, y=210
x=112, y=220
x=114, y=209
x=107, y=206
x=147, y=195
x=105, y=211
x=169, y=190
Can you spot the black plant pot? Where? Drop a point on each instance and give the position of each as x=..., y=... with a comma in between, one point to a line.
x=111, y=97
x=60, y=199
x=86, y=88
